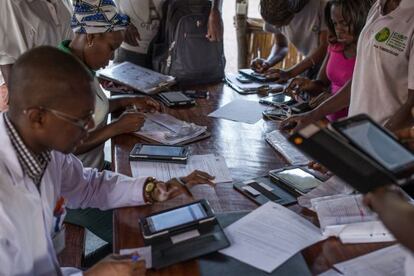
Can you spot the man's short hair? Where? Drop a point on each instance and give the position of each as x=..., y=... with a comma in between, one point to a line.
x=276, y=11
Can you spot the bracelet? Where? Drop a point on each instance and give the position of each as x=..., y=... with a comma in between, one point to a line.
x=149, y=187
x=184, y=185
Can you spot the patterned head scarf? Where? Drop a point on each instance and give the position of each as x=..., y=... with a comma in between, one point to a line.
x=97, y=16
x=278, y=11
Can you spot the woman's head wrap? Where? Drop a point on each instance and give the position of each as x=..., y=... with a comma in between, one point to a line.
x=97, y=16
x=278, y=11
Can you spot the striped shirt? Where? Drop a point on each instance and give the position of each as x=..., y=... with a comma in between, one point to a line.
x=34, y=165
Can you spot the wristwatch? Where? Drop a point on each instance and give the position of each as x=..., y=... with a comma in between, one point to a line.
x=149, y=187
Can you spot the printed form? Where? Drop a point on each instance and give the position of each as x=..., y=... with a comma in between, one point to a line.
x=269, y=236
x=210, y=163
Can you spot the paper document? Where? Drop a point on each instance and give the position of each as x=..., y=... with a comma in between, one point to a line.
x=332, y=186
x=341, y=209
x=168, y=130
x=240, y=111
x=212, y=164
x=388, y=261
x=346, y=217
x=269, y=236
x=279, y=142
x=143, y=252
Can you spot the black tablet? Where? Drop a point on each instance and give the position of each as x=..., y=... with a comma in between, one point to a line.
x=182, y=217
x=250, y=74
x=377, y=143
x=163, y=153
x=175, y=99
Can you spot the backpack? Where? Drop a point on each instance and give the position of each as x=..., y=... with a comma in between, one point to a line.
x=181, y=48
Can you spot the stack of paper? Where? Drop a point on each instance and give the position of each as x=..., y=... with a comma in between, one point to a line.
x=383, y=262
x=212, y=164
x=286, y=149
x=269, y=236
x=240, y=111
x=346, y=217
x=168, y=130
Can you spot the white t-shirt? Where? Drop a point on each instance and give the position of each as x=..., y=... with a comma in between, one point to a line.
x=25, y=24
x=95, y=157
x=384, y=69
x=305, y=28
x=145, y=15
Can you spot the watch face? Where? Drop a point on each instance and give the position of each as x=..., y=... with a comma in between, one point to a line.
x=150, y=187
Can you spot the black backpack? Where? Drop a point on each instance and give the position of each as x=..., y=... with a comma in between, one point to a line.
x=181, y=48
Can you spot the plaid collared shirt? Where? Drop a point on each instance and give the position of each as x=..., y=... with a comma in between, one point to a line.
x=32, y=164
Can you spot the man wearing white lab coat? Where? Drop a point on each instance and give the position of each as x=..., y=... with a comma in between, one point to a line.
x=46, y=121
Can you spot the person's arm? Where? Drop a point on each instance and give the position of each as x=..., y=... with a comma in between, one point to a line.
x=403, y=116
x=315, y=58
x=335, y=103
x=88, y=188
x=5, y=71
x=395, y=212
x=126, y=123
x=120, y=103
x=277, y=54
x=215, y=22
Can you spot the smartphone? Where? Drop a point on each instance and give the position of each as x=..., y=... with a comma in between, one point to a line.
x=161, y=153
x=297, y=179
x=243, y=79
x=376, y=142
x=300, y=107
x=277, y=99
x=177, y=219
x=175, y=99
x=197, y=94
x=275, y=114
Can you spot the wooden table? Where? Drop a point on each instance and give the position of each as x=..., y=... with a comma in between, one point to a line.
x=247, y=155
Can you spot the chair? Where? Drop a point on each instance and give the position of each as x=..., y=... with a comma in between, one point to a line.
x=73, y=254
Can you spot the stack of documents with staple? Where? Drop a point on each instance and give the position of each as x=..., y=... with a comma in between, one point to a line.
x=346, y=217
x=168, y=130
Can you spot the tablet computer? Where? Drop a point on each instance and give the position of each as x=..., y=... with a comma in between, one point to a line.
x=176, y=98
x=378, y=143
x=176, y=219
x=161, y=153
x=296, y=179
x=250, y=74
x=339, y=156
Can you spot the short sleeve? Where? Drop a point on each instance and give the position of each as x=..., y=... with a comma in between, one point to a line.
x=13, y=39
x=411, y=64
x=271, y=28
x=323, y=25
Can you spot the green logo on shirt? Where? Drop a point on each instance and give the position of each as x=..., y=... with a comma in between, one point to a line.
x=383, y=35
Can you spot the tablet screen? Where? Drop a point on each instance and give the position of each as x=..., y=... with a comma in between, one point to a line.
x=160, y=150
x=299, y=179
x=176, y=217
x=379, y=145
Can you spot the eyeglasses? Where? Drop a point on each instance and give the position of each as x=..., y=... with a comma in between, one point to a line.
x=83, y=123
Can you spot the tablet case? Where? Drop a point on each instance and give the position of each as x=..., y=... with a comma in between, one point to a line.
x=165, y=98
x=276, y=194
x=219, y=264
x=341, y=158
x=166, y=253
x=137, y=77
